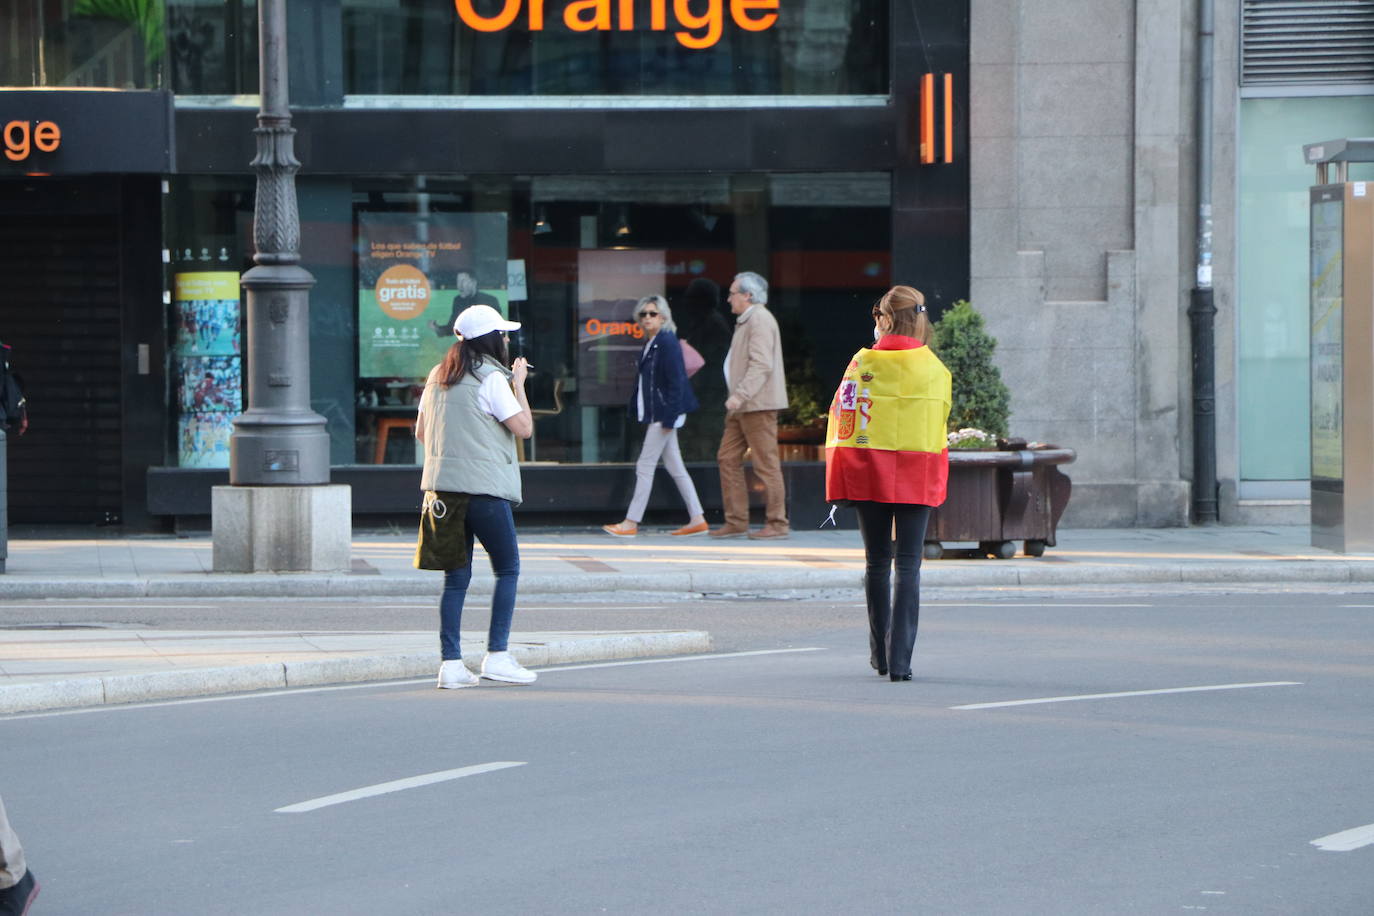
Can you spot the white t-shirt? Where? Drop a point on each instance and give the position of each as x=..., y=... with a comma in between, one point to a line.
x=497, y=398
x=494, y=397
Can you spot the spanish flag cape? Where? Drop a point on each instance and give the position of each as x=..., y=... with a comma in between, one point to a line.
x=886, y=438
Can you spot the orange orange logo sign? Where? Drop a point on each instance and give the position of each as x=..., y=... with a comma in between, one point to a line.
x=22, y=138
x=698, y=30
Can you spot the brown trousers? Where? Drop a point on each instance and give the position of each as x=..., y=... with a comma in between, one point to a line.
x=757, y=431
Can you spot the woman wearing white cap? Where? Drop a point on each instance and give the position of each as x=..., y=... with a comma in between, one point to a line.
x=471, y=411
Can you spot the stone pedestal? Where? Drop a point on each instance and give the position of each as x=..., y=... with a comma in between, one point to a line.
x=282, y=529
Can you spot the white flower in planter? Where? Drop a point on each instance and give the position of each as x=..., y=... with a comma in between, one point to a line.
x=969, y=437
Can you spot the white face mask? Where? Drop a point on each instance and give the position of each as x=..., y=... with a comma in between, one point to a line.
x=876, y=332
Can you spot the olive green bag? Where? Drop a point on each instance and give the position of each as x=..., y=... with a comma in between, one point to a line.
x=443, y=542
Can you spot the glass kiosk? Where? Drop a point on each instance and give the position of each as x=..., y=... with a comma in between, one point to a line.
x=1341, y=288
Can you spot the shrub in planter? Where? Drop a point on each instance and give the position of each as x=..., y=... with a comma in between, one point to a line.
x=801, y=427
x=1000, y=490
x=979, y=398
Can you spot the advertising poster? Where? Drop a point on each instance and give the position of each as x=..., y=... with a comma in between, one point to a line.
x=207, y=367
x=609, y=340
x=415, y=274
x=1327, y=340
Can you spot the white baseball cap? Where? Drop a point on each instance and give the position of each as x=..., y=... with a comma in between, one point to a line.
x=477, y=320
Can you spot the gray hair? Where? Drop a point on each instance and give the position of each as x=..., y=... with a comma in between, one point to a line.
x=662, y=305
x=753, y=286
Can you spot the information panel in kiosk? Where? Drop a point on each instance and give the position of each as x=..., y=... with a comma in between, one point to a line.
x=1341, y=291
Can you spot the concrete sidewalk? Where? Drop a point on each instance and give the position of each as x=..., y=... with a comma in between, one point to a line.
x=56, y=668
x=566, y=561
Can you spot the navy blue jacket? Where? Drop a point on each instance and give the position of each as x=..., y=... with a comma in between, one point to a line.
x=663, y=379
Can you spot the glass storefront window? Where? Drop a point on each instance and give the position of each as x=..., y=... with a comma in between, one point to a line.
x=91, y=44
x=569, y=256
x=1273, y=301
x=606, y=47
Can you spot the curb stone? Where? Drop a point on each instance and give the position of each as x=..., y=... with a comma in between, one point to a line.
x=119, y=689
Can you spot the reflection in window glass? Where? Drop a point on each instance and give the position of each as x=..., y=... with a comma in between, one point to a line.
x=69, y=45
x=212, y=46
x=818, y=47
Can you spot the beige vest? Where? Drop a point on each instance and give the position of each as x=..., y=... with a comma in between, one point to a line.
x=466, y=449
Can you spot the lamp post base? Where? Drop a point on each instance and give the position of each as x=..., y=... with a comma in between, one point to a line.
x=282, y=529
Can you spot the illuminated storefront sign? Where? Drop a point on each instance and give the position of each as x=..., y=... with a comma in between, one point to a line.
x=22, y=138
x=85, y=132
x=697, y=30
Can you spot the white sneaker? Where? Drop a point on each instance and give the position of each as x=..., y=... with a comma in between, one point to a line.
x=454, y=674
x=501, y=666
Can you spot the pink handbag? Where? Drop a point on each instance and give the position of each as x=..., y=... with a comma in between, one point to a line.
x=691, y=359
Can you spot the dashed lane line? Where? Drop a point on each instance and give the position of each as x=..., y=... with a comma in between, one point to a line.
x=396, y=785
x=681, y=658
x=1346, y=840
x=1125, y=693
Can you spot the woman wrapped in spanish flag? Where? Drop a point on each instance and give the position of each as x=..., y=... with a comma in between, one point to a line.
x=886, y=455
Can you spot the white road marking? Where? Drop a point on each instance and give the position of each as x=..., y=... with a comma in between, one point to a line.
x=1125, y=693
x=60, y=606
x=401, y=682
x=1346, y=840
x=680, y=658
x=431, y=605
x=1019, y=604
x=396, y=785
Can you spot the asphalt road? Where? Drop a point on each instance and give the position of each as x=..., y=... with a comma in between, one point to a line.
x=795, y=781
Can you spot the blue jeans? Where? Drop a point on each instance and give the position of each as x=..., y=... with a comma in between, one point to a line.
x=893, y=612
x=490, y=521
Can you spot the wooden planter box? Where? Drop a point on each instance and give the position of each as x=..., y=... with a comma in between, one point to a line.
x=801, y=443
x=999, y=497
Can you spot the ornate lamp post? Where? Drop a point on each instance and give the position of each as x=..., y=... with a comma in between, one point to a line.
x=278, y=513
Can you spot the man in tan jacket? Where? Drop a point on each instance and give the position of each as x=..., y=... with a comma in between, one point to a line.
x=754, y=380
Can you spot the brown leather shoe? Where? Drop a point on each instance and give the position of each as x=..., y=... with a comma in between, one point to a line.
x=729, y=531
x=770, y=531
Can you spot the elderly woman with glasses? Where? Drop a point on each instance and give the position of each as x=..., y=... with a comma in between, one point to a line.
x=662, y=399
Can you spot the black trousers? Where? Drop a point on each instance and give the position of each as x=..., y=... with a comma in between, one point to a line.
x=893, y=608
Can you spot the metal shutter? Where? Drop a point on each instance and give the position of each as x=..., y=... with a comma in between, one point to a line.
x=61, y=312
x=1307, y=42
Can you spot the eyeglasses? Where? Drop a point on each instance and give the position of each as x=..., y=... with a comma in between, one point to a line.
x=734, y=292
x=877, y=310
x=648, y=314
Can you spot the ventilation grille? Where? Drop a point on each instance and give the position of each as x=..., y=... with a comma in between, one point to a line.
x=1307, y=42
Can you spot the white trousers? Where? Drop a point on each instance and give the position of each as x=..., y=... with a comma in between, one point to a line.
x=661, y=443
x=11, y=855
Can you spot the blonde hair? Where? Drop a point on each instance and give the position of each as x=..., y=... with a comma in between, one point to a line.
x=904, y=307
x=664, y=312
